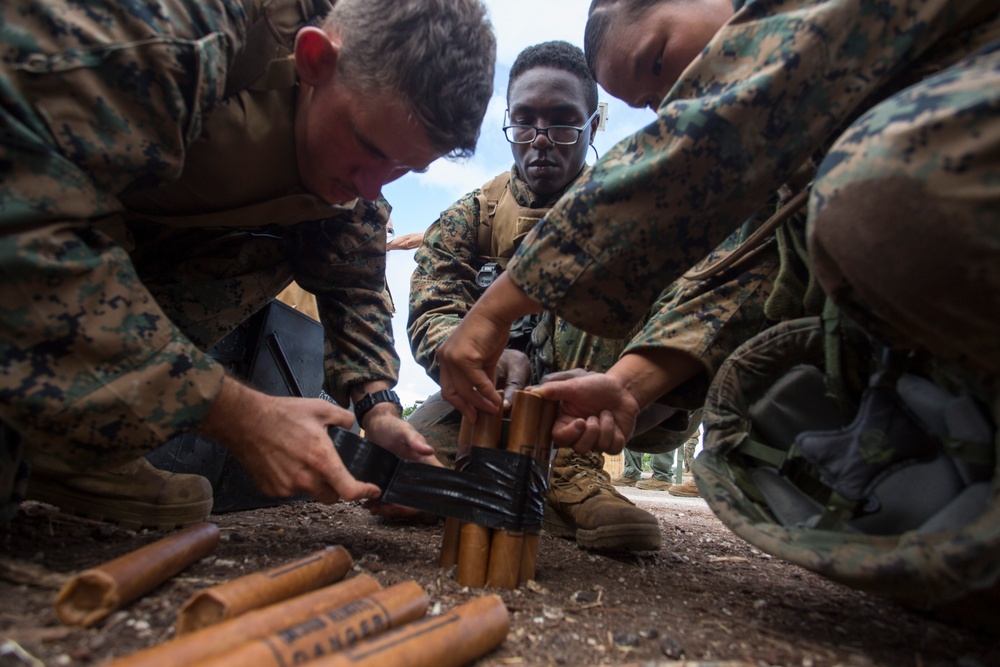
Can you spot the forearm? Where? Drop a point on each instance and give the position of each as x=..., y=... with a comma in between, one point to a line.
x=504, y=302
x=651, y=373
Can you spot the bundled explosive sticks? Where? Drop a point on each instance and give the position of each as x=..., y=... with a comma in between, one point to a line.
x=501, y=559
x=228, y=635
x=474, y=540
x=260, y=589
x=330, y=632
x=453, y=639
x=353, y=622
x=92, y=595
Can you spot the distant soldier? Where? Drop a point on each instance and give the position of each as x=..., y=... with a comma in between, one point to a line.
x=552, y=117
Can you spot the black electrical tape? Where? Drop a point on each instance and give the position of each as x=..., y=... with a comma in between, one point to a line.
x=497, y=489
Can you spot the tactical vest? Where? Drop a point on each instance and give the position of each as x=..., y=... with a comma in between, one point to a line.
x=503, y=223
x=253, y=125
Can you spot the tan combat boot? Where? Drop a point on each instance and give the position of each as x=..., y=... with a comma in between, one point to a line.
x=583, y=505
x=686, y=490
x=134, y=495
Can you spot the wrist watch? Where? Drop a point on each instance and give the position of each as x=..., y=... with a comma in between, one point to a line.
x=362, y=407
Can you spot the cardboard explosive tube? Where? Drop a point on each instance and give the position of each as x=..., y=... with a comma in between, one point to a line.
x=331, y=631
x=260, y=589
x=452, y=639
x=225, y=636
x=474, y=540
x=523, y=437
x=452, y=526
x=543, y=455
x=93, y=594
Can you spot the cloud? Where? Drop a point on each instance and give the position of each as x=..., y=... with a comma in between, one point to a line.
x=521, y=23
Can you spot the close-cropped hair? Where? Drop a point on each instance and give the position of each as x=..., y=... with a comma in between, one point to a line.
x=439, y=55
x=557, y=55
x=600, y=19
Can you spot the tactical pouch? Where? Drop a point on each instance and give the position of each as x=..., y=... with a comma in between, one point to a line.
x=278, y=351
x=892, y=491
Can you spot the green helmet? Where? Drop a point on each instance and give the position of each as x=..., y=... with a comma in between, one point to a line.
x=886, y=485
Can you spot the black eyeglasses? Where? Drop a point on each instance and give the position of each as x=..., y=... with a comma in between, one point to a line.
x=564, y=135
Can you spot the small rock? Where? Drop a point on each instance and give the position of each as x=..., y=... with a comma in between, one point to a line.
x=625, y=639
x=671, y=648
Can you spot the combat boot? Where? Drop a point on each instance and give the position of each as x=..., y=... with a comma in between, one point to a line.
x=686, y=490
x=134, y=495
x=583, y=505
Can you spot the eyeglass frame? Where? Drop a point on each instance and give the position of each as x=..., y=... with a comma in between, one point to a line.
x=537, y=130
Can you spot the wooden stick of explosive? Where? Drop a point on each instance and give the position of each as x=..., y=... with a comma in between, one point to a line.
x=543, y=455
x=93, y=594
x=227, y=635
x=331, y=631
x=452, y=526
x=452, y=639
x=260, y=589
x=474, y=540
x=523, y=437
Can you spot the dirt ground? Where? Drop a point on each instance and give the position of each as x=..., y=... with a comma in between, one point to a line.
x=705, y=597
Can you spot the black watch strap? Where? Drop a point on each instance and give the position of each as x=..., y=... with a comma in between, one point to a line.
x=362, y=407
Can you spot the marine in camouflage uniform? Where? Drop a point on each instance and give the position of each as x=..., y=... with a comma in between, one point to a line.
x=484, y=228
x=152, y=200
x=900, y=103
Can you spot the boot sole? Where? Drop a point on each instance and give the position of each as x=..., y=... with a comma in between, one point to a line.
x=128, y=514
x=620, y=537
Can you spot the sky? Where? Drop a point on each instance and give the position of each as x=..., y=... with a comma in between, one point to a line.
x=418, y=199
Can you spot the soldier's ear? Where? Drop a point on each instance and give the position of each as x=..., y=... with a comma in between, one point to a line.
x=316, y=55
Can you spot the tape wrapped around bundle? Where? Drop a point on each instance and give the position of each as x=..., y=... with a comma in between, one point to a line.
x=222, y=637
x=474, y=539
x=513, y=553
x=452, y=639
x=260, y=589
x=93, y=594
x=495, y=488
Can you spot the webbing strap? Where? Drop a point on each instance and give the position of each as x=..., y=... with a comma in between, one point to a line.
x=766, y=454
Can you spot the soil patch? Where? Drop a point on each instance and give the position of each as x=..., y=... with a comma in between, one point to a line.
x=706, y=596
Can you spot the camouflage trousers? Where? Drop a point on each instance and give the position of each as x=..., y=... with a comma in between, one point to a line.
x=904, y=224
x=205, y=282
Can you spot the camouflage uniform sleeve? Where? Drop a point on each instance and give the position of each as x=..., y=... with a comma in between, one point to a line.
x=773, y=86
x=109, y=101
x=443, y=287
x=342, y=262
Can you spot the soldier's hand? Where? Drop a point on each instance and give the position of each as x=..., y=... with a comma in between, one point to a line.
x=513, y=373
x=469, y=356
x=468, y=360
x=283, y=443
x=595, y=410
x=388, y=430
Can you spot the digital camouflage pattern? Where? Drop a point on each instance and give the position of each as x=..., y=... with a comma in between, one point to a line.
x=775, y=85
x=443, y=287
x=127, y=247
x=954, y=570
x=898, y=104
x=705, y=318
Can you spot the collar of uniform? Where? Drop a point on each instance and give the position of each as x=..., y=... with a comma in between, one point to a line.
x=279, y=74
